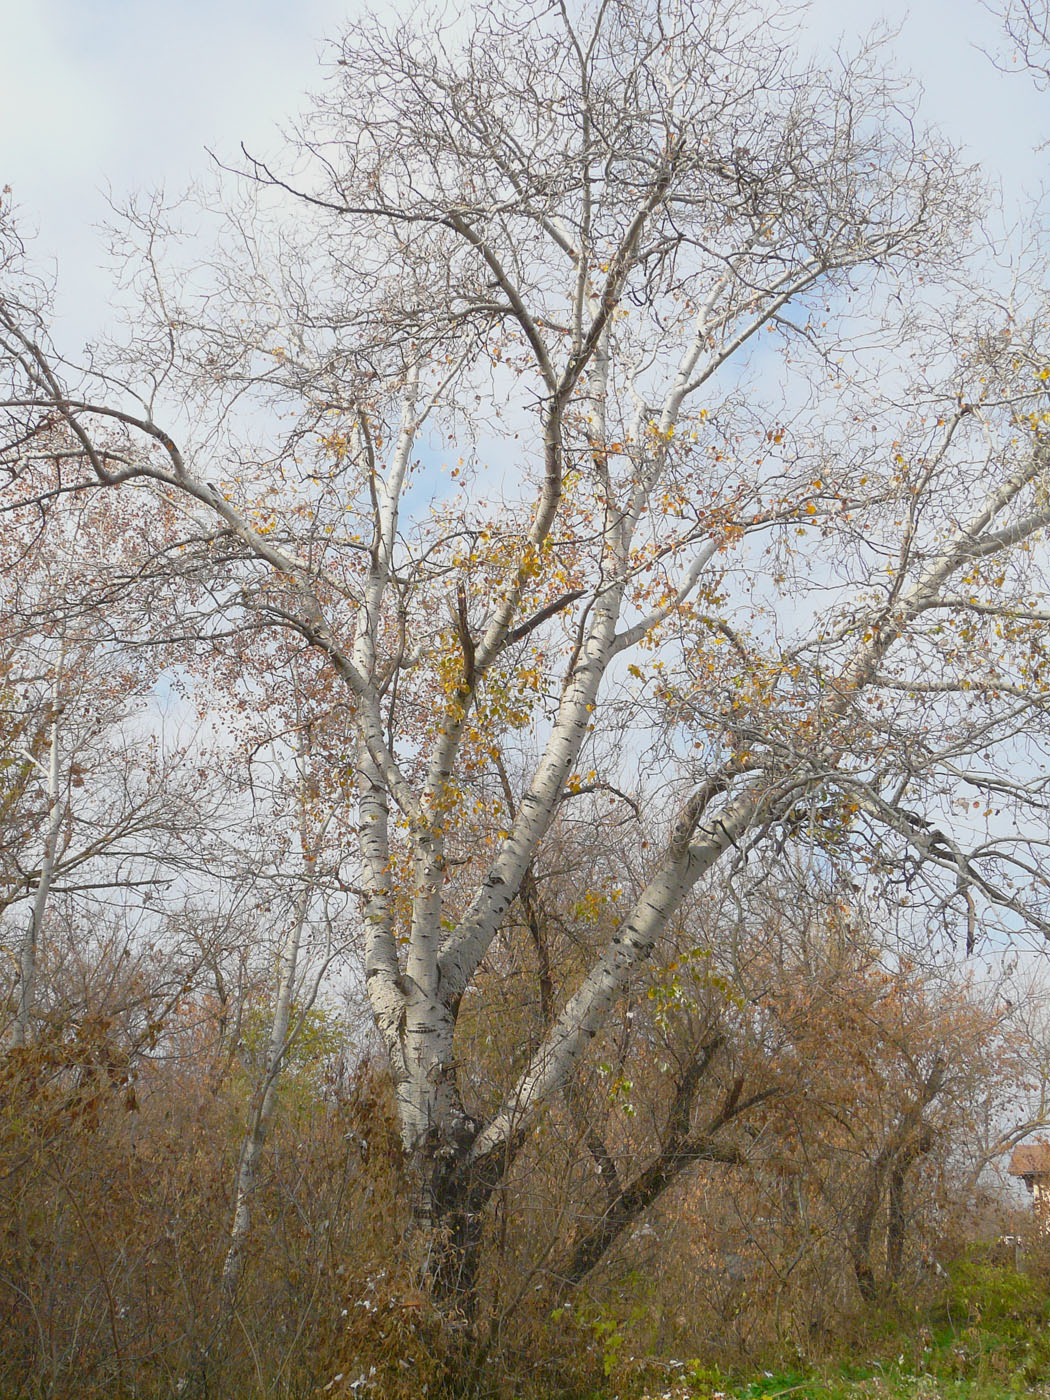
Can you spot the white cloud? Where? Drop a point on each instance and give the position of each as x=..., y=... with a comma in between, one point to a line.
x=129, y=93
x=126, y=94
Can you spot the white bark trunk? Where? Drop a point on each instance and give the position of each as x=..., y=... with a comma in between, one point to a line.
x=281, y=1030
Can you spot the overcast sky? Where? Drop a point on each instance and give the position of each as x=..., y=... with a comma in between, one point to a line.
x=126, y=94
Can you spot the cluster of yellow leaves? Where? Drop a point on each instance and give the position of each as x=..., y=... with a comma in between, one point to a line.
x=589, y=906
x=336, y=445
x=681, y=985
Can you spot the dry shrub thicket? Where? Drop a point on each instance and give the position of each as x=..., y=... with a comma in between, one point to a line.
x=827, y=1172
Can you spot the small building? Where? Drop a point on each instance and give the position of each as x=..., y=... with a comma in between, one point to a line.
x=1031, y=1162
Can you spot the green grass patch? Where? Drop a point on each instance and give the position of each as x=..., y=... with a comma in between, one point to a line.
x=986, y=1337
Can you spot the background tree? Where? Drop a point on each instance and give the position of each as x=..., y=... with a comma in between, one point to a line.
x=103, y=804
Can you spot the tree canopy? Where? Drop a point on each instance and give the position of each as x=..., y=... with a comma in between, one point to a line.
x=600, y=428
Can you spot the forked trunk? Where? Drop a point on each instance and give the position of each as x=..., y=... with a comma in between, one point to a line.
x=437, y=1137
x=450, y=1212
x=450, y=1182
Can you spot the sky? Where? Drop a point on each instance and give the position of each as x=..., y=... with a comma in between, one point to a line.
x=115, y=96
x=949, y=45
x=124, y=95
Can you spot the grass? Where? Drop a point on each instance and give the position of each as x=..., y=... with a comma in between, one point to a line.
x=874, y=1382
x=988, y=1337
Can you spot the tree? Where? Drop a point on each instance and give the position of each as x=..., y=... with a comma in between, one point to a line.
x=855, y=1174
x=1026, y=24
x=757, y=564
x=286, y=1024
x=94, y=797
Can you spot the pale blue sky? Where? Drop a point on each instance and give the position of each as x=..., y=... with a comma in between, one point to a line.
x=999, y=117
x=128, y=93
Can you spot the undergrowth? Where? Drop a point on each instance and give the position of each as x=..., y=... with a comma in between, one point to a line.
x=986, y=1334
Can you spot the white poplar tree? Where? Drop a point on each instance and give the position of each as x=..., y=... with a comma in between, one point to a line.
x=593, y=380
